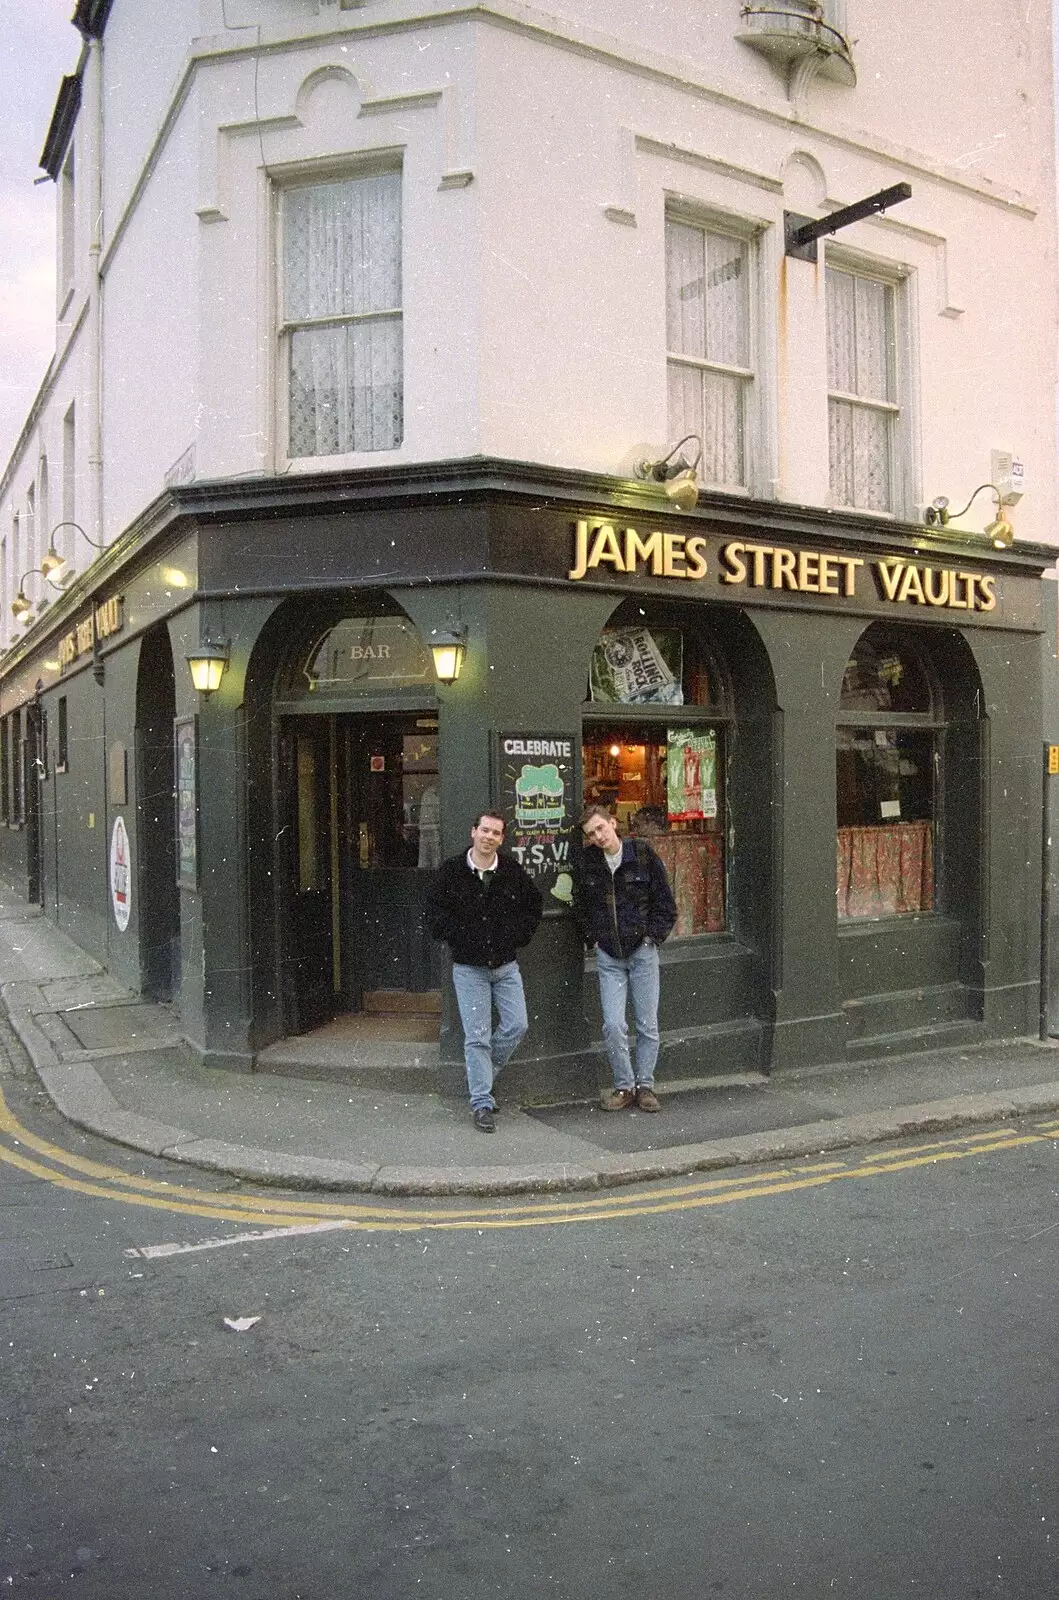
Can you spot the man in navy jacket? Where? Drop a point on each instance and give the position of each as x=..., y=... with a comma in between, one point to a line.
x=625, y=907
x=485, y=907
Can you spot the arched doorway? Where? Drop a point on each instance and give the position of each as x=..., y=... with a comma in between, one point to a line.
x=159, y=896
x=358, y=807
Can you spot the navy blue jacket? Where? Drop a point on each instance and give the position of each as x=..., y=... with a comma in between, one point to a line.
x=483, y=924
x=619, y=910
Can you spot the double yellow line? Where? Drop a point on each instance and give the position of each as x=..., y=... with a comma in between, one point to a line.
x=23, y=1150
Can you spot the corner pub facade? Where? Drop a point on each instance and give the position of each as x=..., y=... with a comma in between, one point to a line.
x=352, y=362
x=835, y=729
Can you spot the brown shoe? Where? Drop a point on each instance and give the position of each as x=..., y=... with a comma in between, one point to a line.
x=647, y=1100
x=618, y=1099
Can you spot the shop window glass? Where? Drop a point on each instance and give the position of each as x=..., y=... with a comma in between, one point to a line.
x=5, y=770
x=886, y=782
x=665, y=783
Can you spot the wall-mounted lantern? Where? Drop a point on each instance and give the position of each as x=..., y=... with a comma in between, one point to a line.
x=207, y=665
x=448, y=645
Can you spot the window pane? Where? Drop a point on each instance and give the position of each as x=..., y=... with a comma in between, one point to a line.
x=883, y=674
x=873, y=339
x=885, y=842
x=860, y=456
x=841, y=333
x=342, y=248
x=645, y=665
x=627, y=769
x=346, y=390
x=727, y=331
x=871, y=458
x=711, y=404
x=840, y=432
x=885, y=775
x=722, y=429
x=685, y=290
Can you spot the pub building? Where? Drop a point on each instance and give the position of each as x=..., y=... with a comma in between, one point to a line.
x=829, y=727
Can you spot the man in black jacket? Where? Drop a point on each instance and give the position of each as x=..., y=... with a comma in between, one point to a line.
x=485, y=907
x=625, y=907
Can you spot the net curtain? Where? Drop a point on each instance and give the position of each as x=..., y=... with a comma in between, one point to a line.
x=342, y=308
x=707, y=319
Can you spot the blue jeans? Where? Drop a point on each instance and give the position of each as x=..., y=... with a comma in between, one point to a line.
x=632, y=977
x=486, y=1050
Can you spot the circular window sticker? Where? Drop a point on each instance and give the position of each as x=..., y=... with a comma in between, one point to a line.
x=120, y=874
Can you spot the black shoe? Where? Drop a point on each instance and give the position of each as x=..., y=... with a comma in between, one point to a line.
x=483, y=1120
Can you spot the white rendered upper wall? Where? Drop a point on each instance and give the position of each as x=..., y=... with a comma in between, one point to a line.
x=540, y=153
x=964, y=83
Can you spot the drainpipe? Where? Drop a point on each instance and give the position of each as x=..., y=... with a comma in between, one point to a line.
x=94, y=120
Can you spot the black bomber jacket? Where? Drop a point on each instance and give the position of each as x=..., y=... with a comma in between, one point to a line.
x=485, y=922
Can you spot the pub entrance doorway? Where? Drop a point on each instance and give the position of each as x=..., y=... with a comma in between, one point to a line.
x=360, y=814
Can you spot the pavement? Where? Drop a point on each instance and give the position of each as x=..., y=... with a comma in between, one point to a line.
x=118, y=1067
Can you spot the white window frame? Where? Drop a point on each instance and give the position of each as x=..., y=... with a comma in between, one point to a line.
x=284, y=181
x=902, y=407
x=758, y=447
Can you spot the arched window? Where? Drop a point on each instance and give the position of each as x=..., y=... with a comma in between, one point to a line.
x=654, y=753
x=363, y=656
x=886, y=772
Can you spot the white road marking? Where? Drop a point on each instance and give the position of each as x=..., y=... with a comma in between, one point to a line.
x=148, y=1252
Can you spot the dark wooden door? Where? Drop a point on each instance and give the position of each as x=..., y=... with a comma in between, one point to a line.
x=389, y=849
x=311, y=973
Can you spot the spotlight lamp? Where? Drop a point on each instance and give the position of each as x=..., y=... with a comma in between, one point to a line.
x=22, y=605
x=678, y=475
x=999, y=532
x=52, y=562
x=448, y=645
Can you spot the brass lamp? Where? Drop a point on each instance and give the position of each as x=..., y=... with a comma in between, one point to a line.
x=22, y=605
x=999, y=532
x=52, y=563
x=679, y=477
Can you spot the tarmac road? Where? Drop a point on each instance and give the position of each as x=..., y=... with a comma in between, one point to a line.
x=836, y=1377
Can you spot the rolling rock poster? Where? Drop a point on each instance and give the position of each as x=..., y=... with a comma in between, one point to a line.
x=637, y=666
x=535, y=793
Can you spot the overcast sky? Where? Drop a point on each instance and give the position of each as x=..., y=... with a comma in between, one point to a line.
x=37, y=46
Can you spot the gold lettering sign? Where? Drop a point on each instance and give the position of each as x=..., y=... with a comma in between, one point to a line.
x=107, y=618
x=802, y=571
x=599, y=545
x=765, y=566
x=669, y=555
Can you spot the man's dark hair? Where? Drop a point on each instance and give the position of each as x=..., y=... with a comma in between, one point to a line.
x=493, y=815
x=595, y=811
x=650, y=819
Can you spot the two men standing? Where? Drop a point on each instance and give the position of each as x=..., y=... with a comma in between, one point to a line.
x=485, y=907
